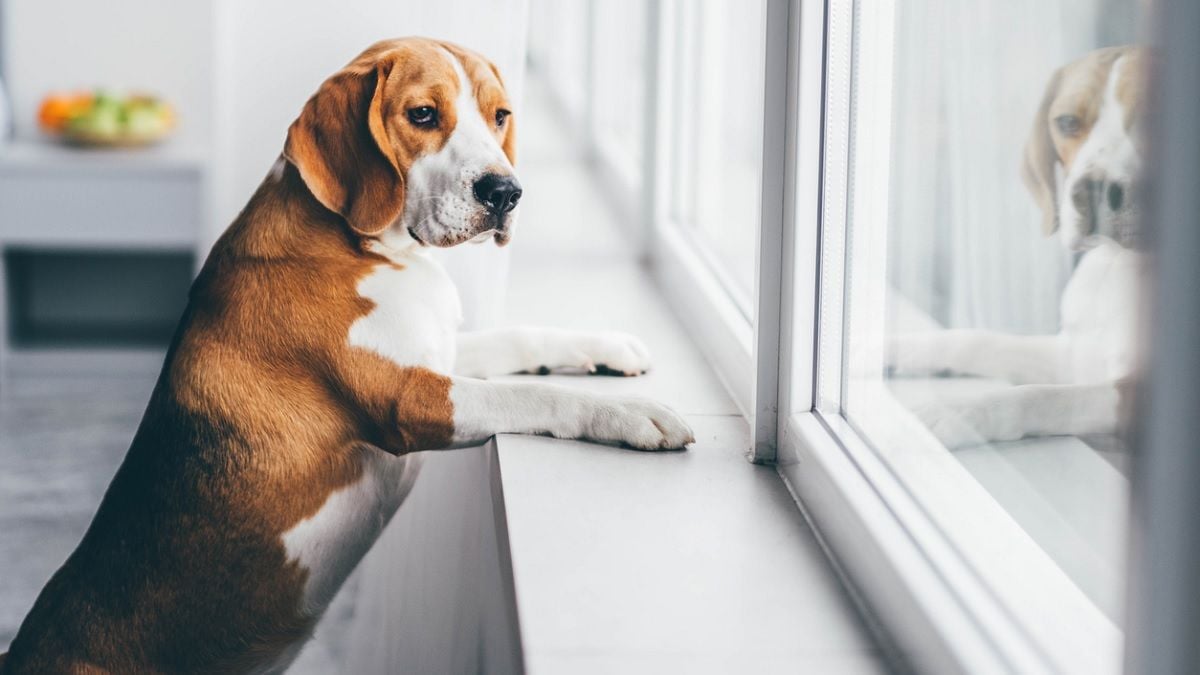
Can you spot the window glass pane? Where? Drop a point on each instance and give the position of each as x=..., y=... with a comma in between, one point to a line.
x=619, y=101
x=717, y=135
x=990, y=322
x=558, y=48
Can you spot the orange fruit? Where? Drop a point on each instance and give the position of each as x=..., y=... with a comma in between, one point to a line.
x=58, y=109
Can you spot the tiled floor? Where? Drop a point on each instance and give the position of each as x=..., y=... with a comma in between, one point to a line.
x=61, y=438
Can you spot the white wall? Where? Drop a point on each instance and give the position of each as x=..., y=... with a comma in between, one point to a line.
x=150, y=45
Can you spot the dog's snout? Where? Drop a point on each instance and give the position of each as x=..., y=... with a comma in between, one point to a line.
x=499, y=194
x=1086, y=195
x=1098, y=199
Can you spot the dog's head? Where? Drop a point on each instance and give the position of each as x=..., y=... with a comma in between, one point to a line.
x=413, y=138
x=1087, y=123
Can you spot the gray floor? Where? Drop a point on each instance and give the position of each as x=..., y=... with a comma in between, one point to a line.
x=61, y=440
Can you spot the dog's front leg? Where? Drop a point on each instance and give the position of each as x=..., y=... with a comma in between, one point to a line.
x=483, y=409
x=1027, y=410
x=1019, y=359
x=532, y=349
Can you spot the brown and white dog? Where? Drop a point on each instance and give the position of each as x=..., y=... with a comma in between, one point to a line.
x=1075, y=382
x=316, y=353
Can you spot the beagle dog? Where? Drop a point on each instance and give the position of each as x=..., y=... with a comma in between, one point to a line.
x=1082, y=164
x=316, y=354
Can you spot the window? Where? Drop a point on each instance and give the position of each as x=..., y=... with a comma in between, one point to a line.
x=716, y=136
x=560, y=53
x=619, y=58
x=948, y=346
x=928, y=303
x=672, y=117
x=708, y=142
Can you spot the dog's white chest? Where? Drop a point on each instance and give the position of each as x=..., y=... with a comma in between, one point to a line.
x=416, y=314
x=1100, y=313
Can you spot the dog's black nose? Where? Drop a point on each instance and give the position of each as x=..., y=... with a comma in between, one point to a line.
x=1116, y=196
x=499, y=194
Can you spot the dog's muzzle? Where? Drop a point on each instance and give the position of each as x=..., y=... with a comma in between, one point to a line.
x=1106, y=207
x=499, y=195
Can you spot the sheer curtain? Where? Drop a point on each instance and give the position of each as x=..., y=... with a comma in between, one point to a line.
x=965, y=240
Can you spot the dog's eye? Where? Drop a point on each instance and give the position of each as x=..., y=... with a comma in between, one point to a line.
x=424, y=116
x=501, y=116
x=1068, y=125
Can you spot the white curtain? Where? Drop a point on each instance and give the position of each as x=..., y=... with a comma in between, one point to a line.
x=965, y=239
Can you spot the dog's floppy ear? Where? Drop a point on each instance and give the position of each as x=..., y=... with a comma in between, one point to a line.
x=510, y=140
x=342, y=151
x=1040, y=158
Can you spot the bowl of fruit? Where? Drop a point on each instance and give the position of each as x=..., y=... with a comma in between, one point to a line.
x=103, y=119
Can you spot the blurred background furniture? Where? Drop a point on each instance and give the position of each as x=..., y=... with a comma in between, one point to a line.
x=97, y=247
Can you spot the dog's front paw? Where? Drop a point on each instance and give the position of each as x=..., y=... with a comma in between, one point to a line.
x=607, y=353
x=908, y=355
x=970, y=422
x=640, y=423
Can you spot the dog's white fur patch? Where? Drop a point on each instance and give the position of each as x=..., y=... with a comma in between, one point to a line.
x=417, y=301
x=1100, y=314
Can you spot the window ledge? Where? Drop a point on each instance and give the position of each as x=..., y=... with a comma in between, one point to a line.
x=657, y=562
x=663, y=561
x=627, y=561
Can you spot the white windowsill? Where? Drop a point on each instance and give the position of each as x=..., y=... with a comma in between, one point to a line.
x=632, y=562
x=665, y=562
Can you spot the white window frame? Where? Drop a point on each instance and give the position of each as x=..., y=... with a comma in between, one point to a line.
x=974, y=599
x=703, y=298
